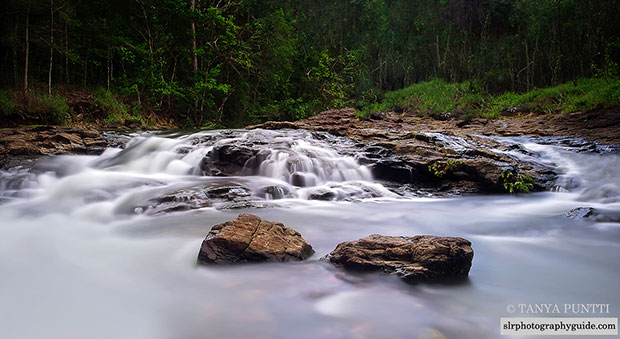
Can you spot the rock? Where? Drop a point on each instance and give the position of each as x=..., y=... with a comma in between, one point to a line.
x=182, y=200
x=405, y=152
x=230, y=192
x=415, y=259
x=580, y=213
x=322, y=194
x=276, y=192
x=593, y=214
x=29, y=141
x=219, y=196
x=232, y=158
x=251, y=239
x=246, y=205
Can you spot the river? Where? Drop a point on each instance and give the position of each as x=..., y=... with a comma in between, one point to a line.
x=87, y=252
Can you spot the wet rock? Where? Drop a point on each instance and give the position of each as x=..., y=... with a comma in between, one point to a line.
x=238, y=158
x=298, y=179
x=230, y=158
x=322, y=194
x=415, y=259
x=392, y=169
x=276, y=192
x=593, y=214
x=182, y=200
x=251, y=239
x=228, y=192
x=580, y=213
x=275, y=125
x=218, y=196
x=406, y=152
x=246, y=205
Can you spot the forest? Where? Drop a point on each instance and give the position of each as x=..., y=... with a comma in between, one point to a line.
x=235, y=62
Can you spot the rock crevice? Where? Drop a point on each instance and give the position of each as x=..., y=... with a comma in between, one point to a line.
x=251, y=239
x=415, y=259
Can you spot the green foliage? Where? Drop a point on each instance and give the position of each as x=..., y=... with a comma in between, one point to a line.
x=580, y=95
x=439, y=169
x=516, y=183
x=440, y=99
x=114, y=110
x=53, y=109
x=233, y=62
x=7, y=107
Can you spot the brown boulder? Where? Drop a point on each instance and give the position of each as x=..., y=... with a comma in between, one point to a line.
x=415, y=259
x=251, y=239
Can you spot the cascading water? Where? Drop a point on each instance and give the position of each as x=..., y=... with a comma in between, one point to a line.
x=90, y=247
x=277, y=165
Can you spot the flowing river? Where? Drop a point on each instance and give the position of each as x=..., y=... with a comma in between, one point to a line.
x=105, y=246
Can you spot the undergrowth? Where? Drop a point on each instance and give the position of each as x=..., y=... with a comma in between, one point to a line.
x=443, y=100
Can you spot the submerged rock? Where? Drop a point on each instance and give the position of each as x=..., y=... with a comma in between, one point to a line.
x=251, y=239
x=593, y=214
x=415, y=259
x=580, y=213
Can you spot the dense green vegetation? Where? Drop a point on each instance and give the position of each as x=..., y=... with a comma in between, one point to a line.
x=440, y=99
x=233, y=62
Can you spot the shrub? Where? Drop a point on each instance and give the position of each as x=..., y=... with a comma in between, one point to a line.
x=440, y=99
x=115, y=110
x=52, y=109
x=7, y=107
x=516, y=183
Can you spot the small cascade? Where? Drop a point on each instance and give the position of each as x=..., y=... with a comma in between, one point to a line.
x=307, y=165
x=222, y=169
x=257, y=168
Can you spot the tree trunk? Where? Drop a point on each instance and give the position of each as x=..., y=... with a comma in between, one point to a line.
x=66, y=53
x=27, y=54
x=438, y=55
x=108, y=70
x=49, y=77
x=14, y=49
x=527, y=69
x=194, y=56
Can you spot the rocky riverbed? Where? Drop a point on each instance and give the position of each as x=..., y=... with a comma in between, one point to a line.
x=121, y=230
x=456, y=156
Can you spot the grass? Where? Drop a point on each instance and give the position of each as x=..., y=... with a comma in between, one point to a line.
x=440, y=99
x=115, y=110
x=7, y=106
x=36, y=106
x=52, y=108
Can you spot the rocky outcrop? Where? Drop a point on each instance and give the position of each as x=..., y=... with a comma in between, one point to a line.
x=251, y=239
x=437, y=157
x=42, y=140
x=415, y=259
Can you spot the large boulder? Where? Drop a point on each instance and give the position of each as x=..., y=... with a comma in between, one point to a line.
x=415, y=259
x=251, y=239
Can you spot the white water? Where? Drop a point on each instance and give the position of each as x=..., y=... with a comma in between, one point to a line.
x=80, y=259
